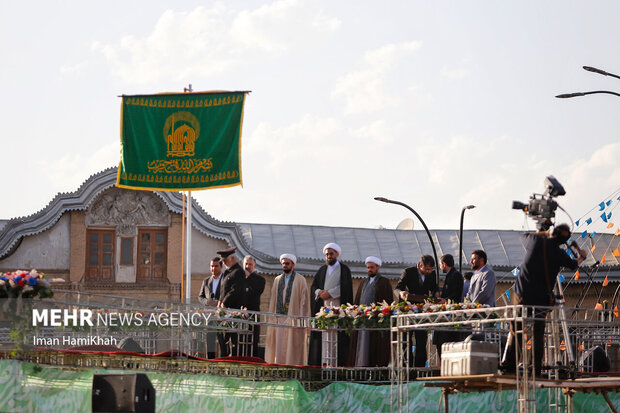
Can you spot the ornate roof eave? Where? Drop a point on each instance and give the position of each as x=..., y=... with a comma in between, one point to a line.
x=18, y=228
x=14, y=230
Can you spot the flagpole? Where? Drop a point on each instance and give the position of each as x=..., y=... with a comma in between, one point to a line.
x=183, y=250
x=188, y=236
x=188, y=250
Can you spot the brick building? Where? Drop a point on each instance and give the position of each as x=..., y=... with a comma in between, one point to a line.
x=108, y=240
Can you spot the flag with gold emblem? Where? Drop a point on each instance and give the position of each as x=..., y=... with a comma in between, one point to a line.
x=181, y=141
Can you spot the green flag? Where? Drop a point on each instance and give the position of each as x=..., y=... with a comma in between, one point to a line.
x=183, y=141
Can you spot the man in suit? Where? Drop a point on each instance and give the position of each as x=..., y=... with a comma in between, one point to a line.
x=232, y=294
x=332, y=286
x=415, y=285
x=483, y=282
x=452, y=290
x=209, y=296
x=254, y=287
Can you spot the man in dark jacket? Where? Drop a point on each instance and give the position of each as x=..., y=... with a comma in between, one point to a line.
x=210, y=289
x=332, y=286
x=254, y=287
x=232, y=293
x=415, y=285
x=452, y=290
x=209, y=296
x=534, y=286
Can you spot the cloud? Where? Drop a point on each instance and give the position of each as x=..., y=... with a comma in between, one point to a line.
x=278, y=26
x=309, y=141
x=366, y=89
x=209, y=41
x=377, y=133
x=69, y=172
x=590, y=179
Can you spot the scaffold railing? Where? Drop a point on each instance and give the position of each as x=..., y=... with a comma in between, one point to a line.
x=581, y=332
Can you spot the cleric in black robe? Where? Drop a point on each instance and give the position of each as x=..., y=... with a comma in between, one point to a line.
x=371, y=348
x=329, y=289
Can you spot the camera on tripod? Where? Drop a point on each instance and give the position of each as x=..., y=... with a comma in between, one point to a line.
x=541, y=207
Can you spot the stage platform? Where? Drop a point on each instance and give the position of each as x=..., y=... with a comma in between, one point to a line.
x=498, y=383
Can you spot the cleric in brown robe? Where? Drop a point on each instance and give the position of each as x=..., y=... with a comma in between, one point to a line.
x=289, y=296
x=371, y=348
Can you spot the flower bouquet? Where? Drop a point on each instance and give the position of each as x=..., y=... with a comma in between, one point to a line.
x=24, y=284
x=377, y=315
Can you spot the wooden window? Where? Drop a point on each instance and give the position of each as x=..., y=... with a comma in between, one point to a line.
x=126, y=251
x=100, y=255
x=152, y=254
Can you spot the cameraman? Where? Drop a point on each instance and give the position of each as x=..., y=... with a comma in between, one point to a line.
x=534, y=285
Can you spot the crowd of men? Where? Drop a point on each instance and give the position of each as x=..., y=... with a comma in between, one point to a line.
x=332, y=286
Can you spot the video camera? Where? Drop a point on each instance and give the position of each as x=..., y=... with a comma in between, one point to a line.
x=542, y=206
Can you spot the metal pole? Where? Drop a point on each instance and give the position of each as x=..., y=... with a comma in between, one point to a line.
x=430, y=238
x=188, y=237
x=461, y=237
x=188, y=250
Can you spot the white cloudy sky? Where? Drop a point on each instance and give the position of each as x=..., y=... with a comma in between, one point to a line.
x=436, y=104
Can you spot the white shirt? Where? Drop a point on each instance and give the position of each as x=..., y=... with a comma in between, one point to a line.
x=215, y=283
x=331, y=268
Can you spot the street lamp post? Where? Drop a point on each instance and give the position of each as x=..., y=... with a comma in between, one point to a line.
x=461, y=237
x=594, y=92
x=389, y=201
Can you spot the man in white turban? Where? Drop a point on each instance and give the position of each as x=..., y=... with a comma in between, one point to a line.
x=372, y=348
x=289, y=296
x=332, y=286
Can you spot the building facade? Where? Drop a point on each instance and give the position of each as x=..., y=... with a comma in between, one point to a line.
x=103, y=239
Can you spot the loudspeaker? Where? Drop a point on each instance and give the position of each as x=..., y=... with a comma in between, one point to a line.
x=123, y=393
x=129, y=344
x=597, y=358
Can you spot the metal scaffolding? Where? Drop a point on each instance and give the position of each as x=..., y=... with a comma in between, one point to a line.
x=568, y=344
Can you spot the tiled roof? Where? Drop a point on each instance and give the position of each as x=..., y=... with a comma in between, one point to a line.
x=397, y=248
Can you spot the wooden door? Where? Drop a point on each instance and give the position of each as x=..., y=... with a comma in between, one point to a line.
x=152, y=254
x=100, y=255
